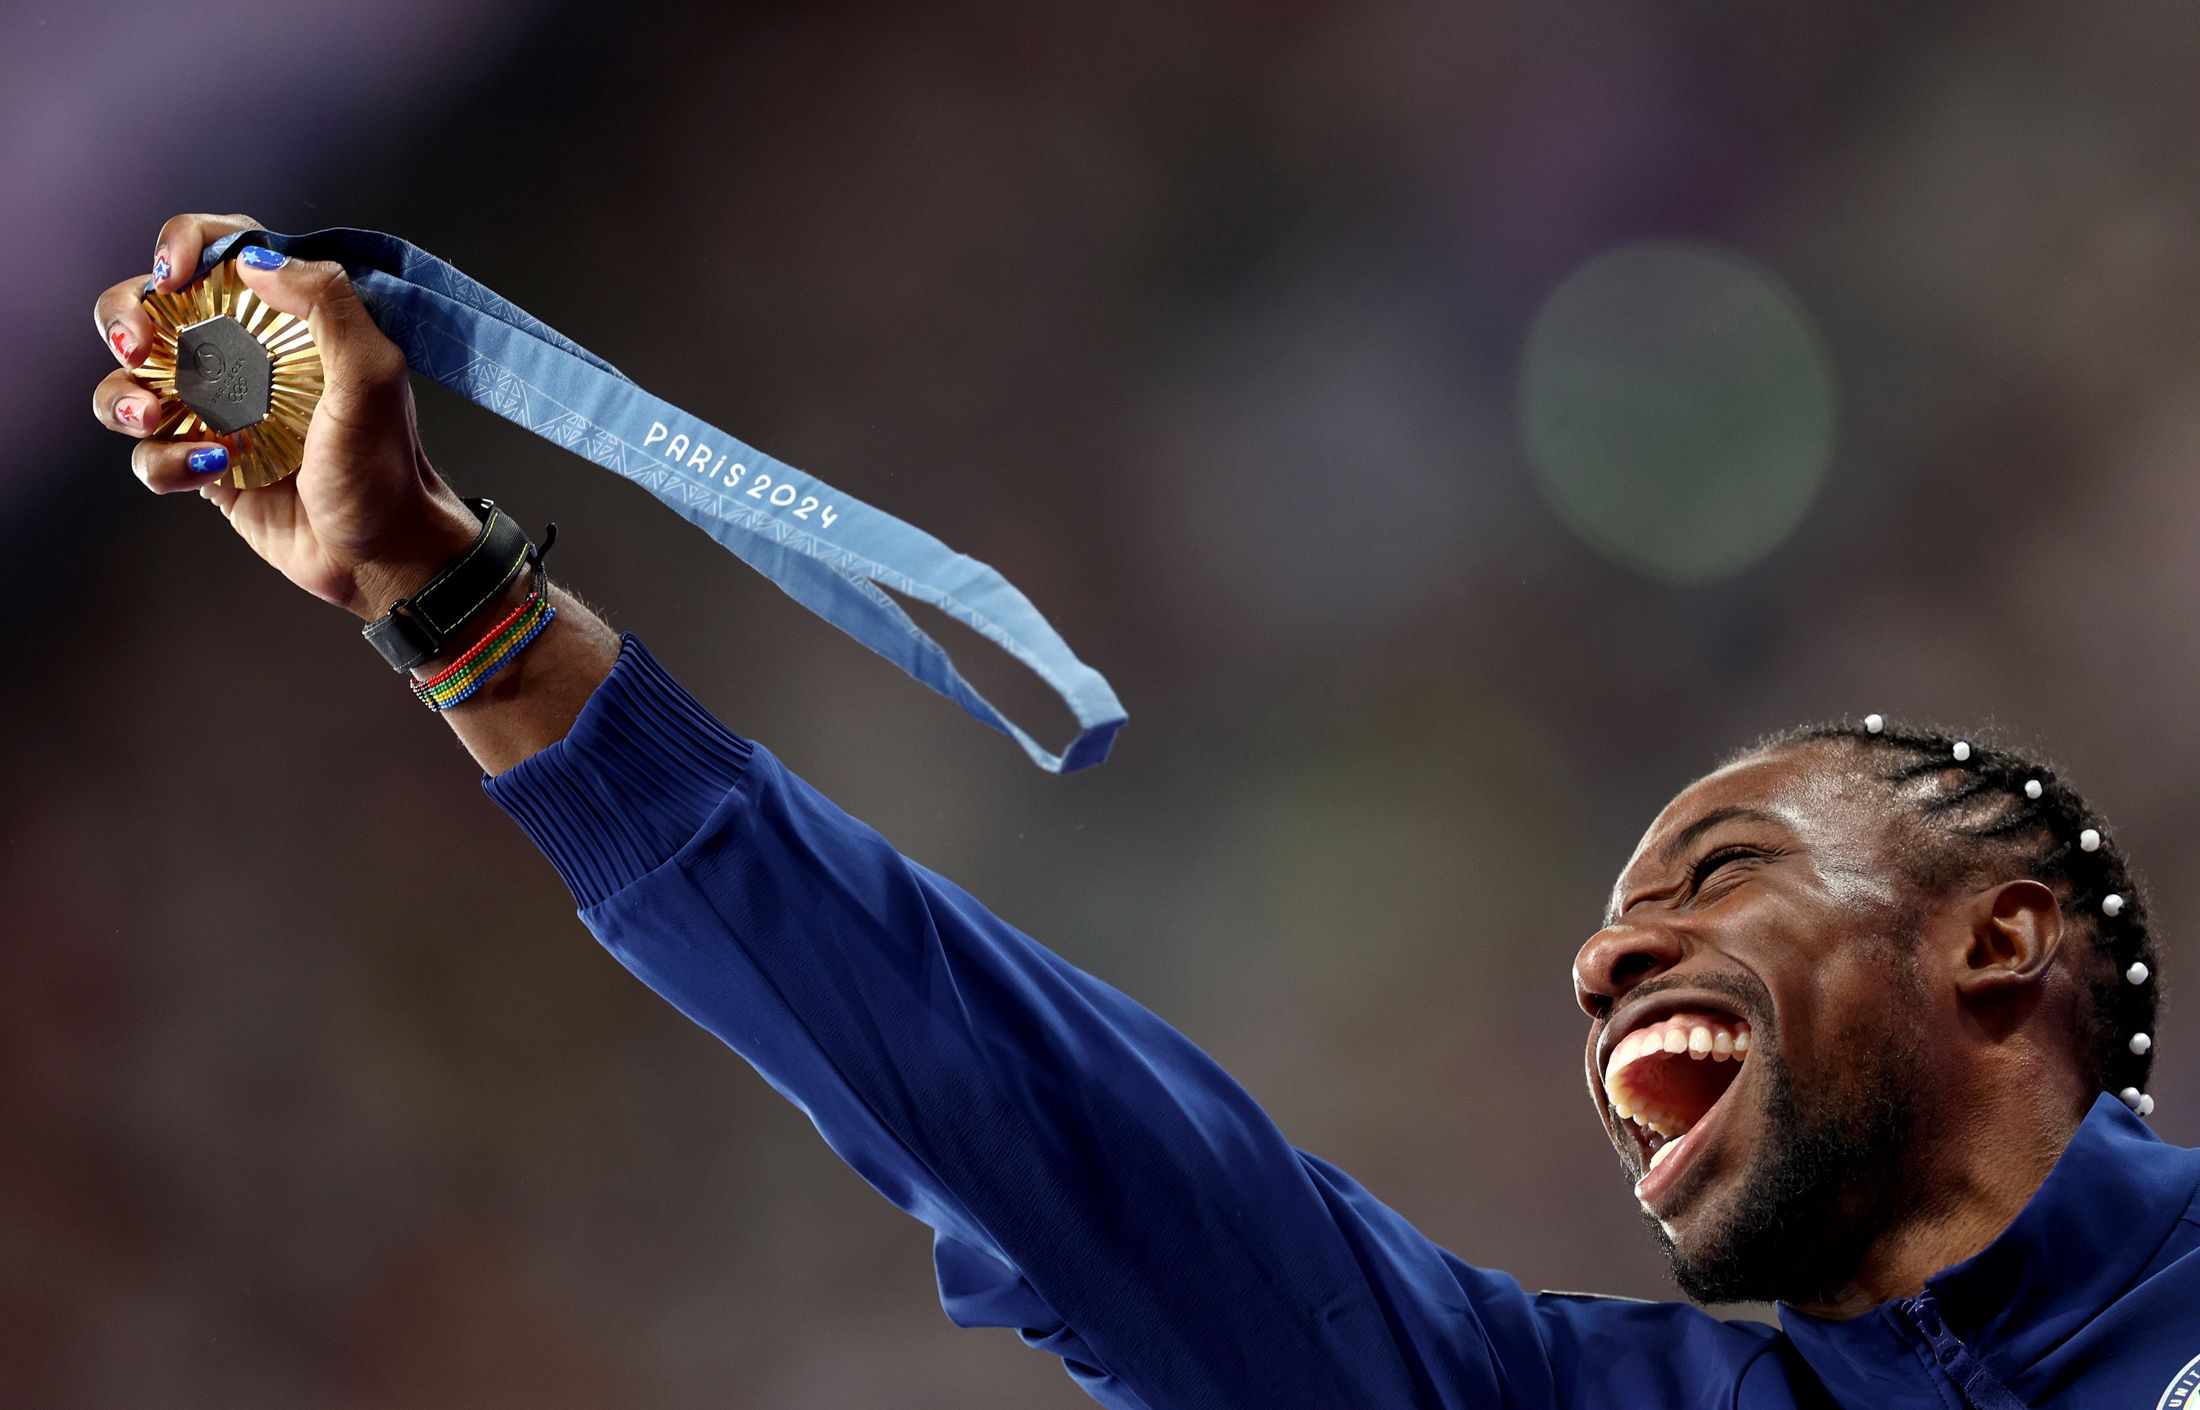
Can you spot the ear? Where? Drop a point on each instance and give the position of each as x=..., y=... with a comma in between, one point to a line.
x=2013, y=934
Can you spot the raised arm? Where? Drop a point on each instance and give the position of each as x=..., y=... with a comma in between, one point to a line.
x=1093, y=1179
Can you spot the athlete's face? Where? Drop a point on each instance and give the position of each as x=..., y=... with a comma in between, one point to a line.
x=1757, y=1053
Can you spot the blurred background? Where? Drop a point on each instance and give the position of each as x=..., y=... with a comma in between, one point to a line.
x=1452, y=427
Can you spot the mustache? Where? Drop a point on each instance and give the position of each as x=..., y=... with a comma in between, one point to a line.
x=1750, y=997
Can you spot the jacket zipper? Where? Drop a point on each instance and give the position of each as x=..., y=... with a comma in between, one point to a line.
x=1979, y=1386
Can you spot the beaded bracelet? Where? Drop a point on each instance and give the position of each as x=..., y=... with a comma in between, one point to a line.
x=456, y=682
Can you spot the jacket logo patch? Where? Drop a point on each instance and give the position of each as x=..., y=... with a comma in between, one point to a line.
x=2183, y=1391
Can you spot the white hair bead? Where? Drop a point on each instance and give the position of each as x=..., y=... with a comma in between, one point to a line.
x=2146, y=1104
x=1873, y=724
x=2112, y=904
x=2140, y=1042
x=2131, y=1097
x=2089, y=840
x=2138, y=972
x=2032, y=788
x=1963, y=750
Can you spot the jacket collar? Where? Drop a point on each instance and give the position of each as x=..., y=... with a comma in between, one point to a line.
x=2106, y=1208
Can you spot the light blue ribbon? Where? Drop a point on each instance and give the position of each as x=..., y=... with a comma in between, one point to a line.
x=829, y=551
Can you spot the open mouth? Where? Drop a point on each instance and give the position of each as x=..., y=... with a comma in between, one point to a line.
x=1665, y=1079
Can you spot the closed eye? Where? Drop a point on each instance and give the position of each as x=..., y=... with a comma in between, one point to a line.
x=1711, y=864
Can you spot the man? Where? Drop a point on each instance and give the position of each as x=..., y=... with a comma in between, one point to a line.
x=1871, y=1020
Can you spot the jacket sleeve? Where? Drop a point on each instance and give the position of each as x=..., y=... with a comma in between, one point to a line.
x=1092, y=1178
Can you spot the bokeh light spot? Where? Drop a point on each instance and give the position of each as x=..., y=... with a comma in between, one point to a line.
x=1678, y=408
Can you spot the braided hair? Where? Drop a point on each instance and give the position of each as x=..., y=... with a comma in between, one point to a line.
x=1988, y=811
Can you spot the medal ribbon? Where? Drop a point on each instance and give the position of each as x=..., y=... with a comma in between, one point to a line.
x=826, y=549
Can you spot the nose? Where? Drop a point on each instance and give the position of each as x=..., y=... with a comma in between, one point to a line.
x=1616, y=959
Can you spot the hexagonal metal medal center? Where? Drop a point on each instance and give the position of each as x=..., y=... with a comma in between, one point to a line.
x=223, y=374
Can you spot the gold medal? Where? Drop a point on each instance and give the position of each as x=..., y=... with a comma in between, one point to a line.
x=230, y=369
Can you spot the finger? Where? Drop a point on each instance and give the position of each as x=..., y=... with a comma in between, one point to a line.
x=124, y=404
x=120, y=317
x=170, y=467
x=224, y=497
x=363, y=372
x=183, y=239
x=119, y=313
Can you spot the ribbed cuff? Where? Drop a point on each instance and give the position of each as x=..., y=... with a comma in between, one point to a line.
x=630, y=783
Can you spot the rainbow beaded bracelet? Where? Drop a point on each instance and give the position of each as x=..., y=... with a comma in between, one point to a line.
x=458, y=681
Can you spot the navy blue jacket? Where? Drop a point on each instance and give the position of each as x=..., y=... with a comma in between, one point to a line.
x=1097, y=1182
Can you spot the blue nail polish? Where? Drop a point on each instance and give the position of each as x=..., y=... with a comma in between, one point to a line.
x=208, y=460
x=160, y=269
x=261, y=257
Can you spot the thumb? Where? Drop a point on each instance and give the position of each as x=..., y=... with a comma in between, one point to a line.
x=363, y=371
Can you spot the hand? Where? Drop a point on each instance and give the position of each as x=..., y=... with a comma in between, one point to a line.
x=366, y=519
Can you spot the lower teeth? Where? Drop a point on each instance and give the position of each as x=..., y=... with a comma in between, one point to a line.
x=1665, y=1150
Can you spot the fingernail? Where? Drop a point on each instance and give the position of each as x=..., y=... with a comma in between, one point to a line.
x=130, y=411
x=261, y=257
x=120, y=337
x=160, y=265
x=208, y=460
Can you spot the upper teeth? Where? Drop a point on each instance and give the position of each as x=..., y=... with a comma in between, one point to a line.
x=1700, y=1035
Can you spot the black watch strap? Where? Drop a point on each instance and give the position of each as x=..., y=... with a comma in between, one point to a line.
x=415, y=627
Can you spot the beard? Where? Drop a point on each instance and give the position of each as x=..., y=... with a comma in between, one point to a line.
x=1833, y=1175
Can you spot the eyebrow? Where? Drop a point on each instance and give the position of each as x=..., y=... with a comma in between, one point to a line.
x=1680, y=841
x=1689, y=835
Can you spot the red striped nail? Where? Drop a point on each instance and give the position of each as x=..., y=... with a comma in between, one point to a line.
x=121, y=340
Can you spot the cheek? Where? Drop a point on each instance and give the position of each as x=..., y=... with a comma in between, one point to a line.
x=1826, y=936
x=1834, y=1012
x=1827, y=983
